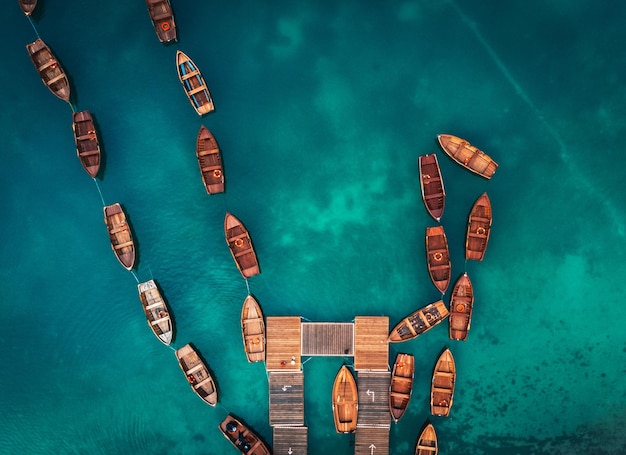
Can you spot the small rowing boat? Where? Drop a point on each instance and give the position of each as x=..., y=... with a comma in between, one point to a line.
x=86, y=140
x=194, y=85
x=419, y=322
x=162, y=19
x=120, y=235
x=242, y=437
x=240, y=244
x=461, y=303
x=49, y=69
x=210, y=161
x=253, y=330
x=401, y=385
x=345, y=401
x=197, y=374
x=157, y=313
x=467, y=155
x=438, y=257
x=28, y=6
x=431, y=183
x=478, y=229
x=427, y=441
x=442, y=386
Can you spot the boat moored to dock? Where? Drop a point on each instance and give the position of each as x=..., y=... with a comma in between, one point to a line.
x=401, y=386
x=431, y=184
x=419, y=322
x=253, y=330
x=345, y=401
x=242, y=437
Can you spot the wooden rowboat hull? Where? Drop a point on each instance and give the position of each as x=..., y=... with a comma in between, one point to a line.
x=478, y=229
x=193, y=83
x=86, y=140
x=345, y=401
x=427, y=441
x=438, y=257
x=120, y=235
x=49, y=69
x=401, y=385
x=467, y=155
x=197, y=373
x=461, y=303
x=241, y=248
x=419, y=322
x=242, y=437
x=28, y=6
x=431, y=184
x=253, y=330
x=210, y=161
x=162, y=19
x=156, y=311
x=442, y=386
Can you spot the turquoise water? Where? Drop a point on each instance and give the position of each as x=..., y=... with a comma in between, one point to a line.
x=322, y=109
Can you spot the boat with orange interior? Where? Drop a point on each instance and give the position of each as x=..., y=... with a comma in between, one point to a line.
x=240, y=244
x=442, y=386
x=193, y=84
x=49, y=69
x=438, y=257
x=120, y=235
x=478, y=228
x=401, y=385
x=86, y=140
x=345, y=401
x=197, y=373
x=461, y=303
x=162, y=19
x=242, y=437
x=28, y=6
x=419, y=322
x=427, y=441
x=210, y=161
x=156, y=310
x=253, y=330
x=431, y=184
x=467, y=155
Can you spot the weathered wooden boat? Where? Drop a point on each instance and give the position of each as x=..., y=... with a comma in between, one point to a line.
x=240, y=244
x=461, y=303
x=194, y=85
x=401, y=385
x=427, y=441
x=253, y=330
x=431, y=183
x=210, y=161
x=442, y=386
x=162, y=19
x=419, y=322
x=345, y=401
x=242, y=437
x=478, y=229
x=120, y=235
x=86, y=140
x=197, y=374
x=28, y=6
x=438, y=257
x=49, y=69
x=157, y=312
x=467, y=155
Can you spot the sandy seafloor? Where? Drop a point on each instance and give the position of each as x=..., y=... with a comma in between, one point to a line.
x=322, y=110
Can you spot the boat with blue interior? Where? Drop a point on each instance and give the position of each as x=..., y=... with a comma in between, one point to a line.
x=193, y=83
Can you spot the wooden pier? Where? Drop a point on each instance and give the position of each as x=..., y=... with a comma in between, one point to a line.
x=374, y=422
x=327, y=339
x=283, y=336
x=286, y=398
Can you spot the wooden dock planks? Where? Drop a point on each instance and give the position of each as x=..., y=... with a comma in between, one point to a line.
x=290, y=440
x=327, y=339
x=286, y=398
x=371, y=343
x=374, y=399
x=283, y=336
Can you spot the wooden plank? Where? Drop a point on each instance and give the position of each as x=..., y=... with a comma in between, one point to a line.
x=290, y=440
x=327, y=339
x=374, y=399
x=370, y=441
x=286, y=397
x=283, y=335
x=371, y=343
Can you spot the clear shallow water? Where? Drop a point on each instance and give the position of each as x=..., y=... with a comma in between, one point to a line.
x=322, y=110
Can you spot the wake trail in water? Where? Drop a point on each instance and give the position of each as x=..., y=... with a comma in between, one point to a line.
x=590, y=188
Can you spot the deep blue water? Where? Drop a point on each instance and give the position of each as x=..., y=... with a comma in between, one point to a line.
x=322, y=109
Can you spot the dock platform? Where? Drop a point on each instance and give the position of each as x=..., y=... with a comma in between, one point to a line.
x=327, y=339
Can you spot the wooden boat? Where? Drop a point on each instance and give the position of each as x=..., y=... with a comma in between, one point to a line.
x=345, y=401
x=461, y=308
x=438, y=257
x=419, y=322
x=478, y=229
x=427, y=441
x=49, y=69
x=86, y=140
x=240, y=244
x=253, y=330
x=162, y=19
x=431, y=183
x=242, y=437
x=468, y=156
x=28, y=6
x=157, y=312
x=120, y=235
x=401, y=385
x=210, y=161
x=194, y=85
x=442, y=386
x=197, y=373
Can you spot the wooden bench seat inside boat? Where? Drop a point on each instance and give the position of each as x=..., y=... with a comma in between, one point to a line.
x=124, y=245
